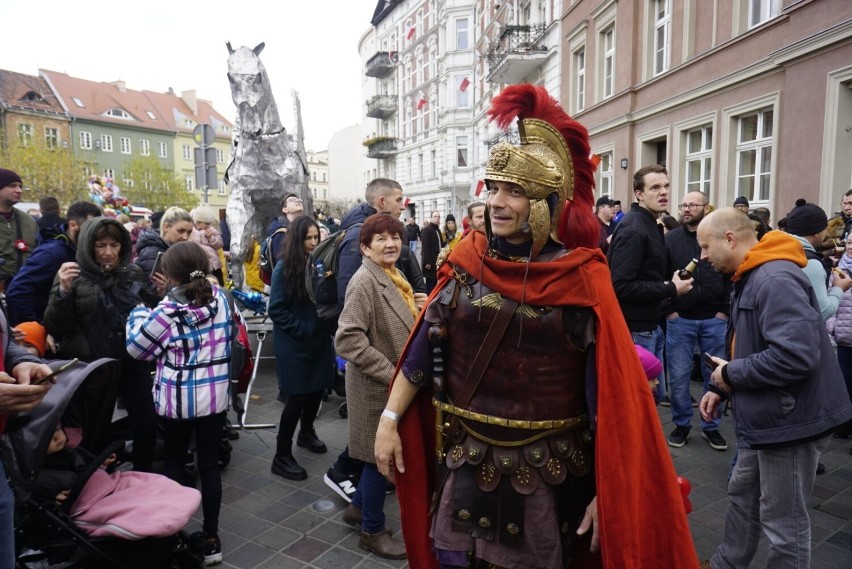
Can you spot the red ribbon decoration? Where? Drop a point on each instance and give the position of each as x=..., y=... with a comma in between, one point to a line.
x=21, y=245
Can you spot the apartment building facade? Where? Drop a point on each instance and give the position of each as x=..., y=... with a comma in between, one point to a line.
x=736, y=97
x=431, y=70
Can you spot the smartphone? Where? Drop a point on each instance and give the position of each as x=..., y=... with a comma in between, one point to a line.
x=838, y=272
x=60, y=369
x=158, y=265
x=708, y=361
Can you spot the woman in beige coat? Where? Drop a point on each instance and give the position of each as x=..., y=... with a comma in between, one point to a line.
x=377, y=316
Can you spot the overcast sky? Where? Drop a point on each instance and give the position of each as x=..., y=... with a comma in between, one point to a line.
x=311, y=46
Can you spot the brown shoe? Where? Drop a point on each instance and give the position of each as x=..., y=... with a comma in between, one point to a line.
x=352, y=516
x=382, y=544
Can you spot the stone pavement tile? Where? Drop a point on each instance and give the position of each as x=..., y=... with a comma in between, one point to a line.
x=713, y=516
x=278, y=537
x=706, y=495
x=829, y=556
x=842, y=539
x=822, y=493
x=300, y=498
x=373, y=562
x=249, y=527
x=256, y=480
x=306, y=549
x=252, y=504
x=303, y=522
x=331, y=532
x=278, y=561
x=336, y=558
x=249, y=555
x=839, y=505
x=275, y=512
x=230, y=493
x=230, y=541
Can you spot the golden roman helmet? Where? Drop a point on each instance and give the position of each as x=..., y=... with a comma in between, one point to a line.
x=541, y=165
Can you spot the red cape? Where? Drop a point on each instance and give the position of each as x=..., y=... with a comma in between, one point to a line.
x=641, y=517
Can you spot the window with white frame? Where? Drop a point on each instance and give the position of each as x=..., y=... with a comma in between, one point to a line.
x=605, y=170
x=125, y=145
x=580, y=80
x=144, y=147
x=187, y=152
x=433, y=62
x=420, y=166
x=51, y=137
x=220, y=186
x=220, y=156
x=127, y=183
x=109, y=173
x=433, y=12
x=434, y=161
x=699, y=159
x=188, y=181
x=760, y=11
x=462, y=98
x=409, y=78
x=325, y=193
x=25, y=134
x=462, y=33
x=85, y=140
x=754, y=155
x=461, y=152
x=106, y=142
x=662, y=35
x=410, y=163
x=607, y=43
x=162, y=150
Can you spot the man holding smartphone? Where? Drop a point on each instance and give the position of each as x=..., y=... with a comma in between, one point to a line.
x=785, y=385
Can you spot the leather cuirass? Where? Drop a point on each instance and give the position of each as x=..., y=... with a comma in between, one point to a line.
x=535, y=374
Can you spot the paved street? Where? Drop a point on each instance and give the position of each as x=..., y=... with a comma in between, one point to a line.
x=267, y=522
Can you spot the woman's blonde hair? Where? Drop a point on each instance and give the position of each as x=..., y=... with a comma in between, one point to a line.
x=171, y=216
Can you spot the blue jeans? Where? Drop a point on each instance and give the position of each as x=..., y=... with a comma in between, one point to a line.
x=413, y=246
x=768, y=491
x=682, y=335
x=655, y=342
x=370, y=499
x=7, y=523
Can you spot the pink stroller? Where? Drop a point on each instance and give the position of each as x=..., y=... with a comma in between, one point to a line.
x=101, y=517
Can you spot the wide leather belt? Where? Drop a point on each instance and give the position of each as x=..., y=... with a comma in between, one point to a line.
x=573, y=422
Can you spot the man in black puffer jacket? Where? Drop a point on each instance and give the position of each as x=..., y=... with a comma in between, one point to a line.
x=637, y=261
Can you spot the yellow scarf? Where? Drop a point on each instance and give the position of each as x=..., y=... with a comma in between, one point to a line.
x=403, y=287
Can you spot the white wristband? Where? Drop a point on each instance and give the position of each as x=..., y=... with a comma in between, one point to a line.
x=391, y=415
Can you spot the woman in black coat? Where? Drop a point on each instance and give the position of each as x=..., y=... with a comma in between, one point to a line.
x=303, y=349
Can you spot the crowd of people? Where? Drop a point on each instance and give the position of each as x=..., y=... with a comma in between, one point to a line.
x=487, y=382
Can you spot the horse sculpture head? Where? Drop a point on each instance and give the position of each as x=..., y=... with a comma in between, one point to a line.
x=251, y=92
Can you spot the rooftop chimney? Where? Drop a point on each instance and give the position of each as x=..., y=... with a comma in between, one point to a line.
x=121, y=86
x=190, y=99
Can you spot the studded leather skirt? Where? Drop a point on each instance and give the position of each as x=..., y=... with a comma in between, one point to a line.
x=516, y=506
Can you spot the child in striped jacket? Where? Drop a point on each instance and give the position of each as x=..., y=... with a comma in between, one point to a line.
x=189, y=335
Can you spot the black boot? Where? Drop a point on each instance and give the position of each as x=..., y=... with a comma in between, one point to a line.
x=308, y=439
x=307, y=434
x=285, y=465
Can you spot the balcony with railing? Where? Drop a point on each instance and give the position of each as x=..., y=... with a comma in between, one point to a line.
x=512, y=137
x=380, y=147
x=518, y=53
x=381, y=64
x=381, y=106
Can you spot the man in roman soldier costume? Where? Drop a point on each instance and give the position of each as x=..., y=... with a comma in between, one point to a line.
x=520, y=426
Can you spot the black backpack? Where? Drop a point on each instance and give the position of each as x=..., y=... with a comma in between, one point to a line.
x=106, y=329
x=321, y=276
x=266, y=261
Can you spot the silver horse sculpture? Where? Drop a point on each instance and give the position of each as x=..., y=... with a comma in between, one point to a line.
x=264, y=167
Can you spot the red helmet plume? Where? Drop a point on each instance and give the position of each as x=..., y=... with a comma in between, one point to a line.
x=577, y=226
